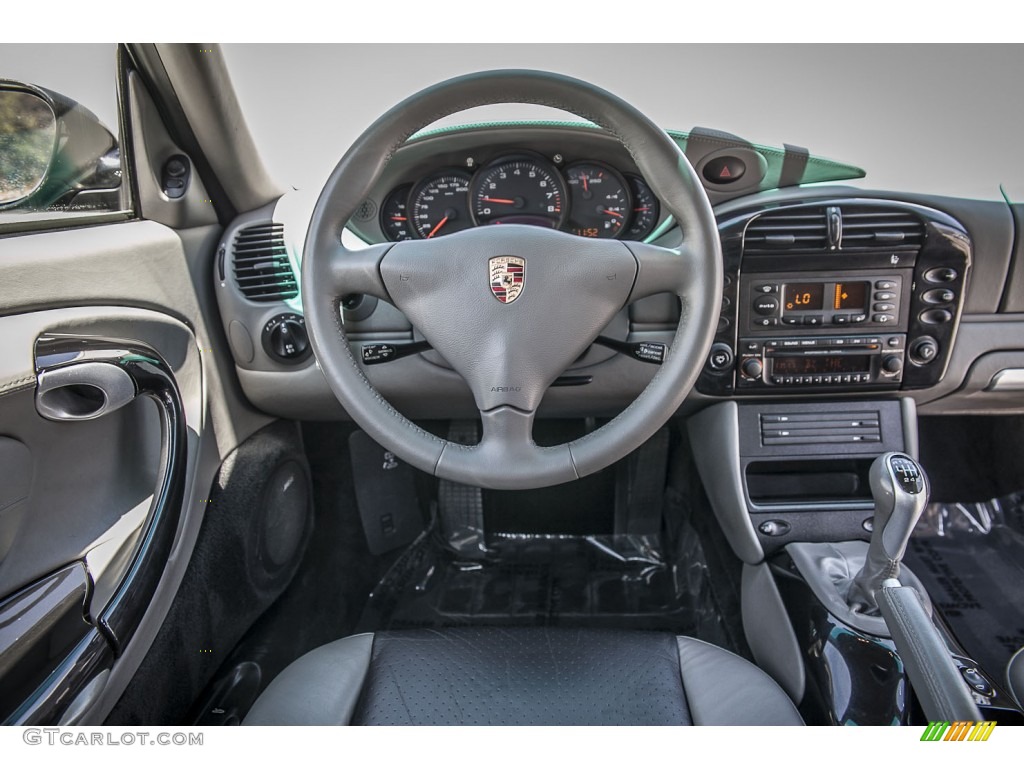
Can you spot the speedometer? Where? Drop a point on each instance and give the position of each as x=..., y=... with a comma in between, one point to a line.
x=519, y=190
x=439, y=206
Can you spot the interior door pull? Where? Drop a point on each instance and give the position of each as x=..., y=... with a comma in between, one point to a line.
x=83, y=391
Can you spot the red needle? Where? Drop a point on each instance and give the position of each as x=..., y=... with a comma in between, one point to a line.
x=585, y=187
x=498, y=200
x=641, y=209
x=612, y=213
x=440, y=224
x=399, y=218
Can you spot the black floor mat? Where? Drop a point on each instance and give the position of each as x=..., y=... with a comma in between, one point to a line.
x=971, y=559
x=624, y=582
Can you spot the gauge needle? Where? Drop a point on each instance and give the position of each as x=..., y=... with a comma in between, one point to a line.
x=585, y=187
x=641, y=209
x=498, y=200
x=612, y=213
x=440, y=224
x=399, y=218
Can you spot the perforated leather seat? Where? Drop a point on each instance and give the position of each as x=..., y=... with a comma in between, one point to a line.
x=522, y=676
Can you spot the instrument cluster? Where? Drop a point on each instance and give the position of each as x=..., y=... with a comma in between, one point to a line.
x=587, y=198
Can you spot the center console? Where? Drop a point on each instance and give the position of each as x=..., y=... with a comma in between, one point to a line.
x=856, y=296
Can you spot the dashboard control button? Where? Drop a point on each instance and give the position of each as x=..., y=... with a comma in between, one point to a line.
x=752, y=346
x=766, y=305
x=974, y=678
x=817, y=380
x=752, y=368
x=723, y=323
x=720, y=357
x=923, y=350
x=774, y=527
x=883, y=318
x=885, y=285
x=764, y=322
x=892, y=364
x=792, y=320
x=935, y=316
x=883, y=307
x=285, y=339
x=724, y=170
x=812, y=319
x=766, y=288
x=884, y=296
x=941, y=275
x=938, y=296
x=858, y=318
x=840, y=319
x=787, y=380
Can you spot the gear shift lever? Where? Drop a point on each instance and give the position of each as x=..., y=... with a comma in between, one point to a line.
x=900, y=491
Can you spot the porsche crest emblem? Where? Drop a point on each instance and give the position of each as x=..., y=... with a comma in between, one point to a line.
x=508, y=276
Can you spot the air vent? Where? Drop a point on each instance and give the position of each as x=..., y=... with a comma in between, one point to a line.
x=793, y=230
x=262, y=269
x=832, y=428
x=880, y=228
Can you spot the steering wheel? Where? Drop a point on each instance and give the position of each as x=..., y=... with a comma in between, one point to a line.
x=509, y=349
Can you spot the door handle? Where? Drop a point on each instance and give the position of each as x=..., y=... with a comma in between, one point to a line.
x=83, y=391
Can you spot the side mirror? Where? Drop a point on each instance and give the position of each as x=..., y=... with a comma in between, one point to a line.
x=54, y=153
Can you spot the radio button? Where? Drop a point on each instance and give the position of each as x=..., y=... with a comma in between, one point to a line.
x=766, y=289
x=883, y=307
x=883, y=319
x=788, y=380
x=752, y=346
x=812, y=319
x=884, y=296
x=826, y=379
x=858, y=318
x=817, y=380
x=776, y=379
x=791, y=320
x=840, y=319
x=885, y=285
x=766, y=305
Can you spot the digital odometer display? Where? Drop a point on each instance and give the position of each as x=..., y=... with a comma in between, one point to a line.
x=804, y=297
x=820, y=364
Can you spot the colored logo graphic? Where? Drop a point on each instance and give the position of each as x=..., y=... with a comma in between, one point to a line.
x=507, y=276
x=959, y=731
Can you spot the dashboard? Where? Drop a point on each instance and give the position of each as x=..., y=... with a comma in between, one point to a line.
x=829, y=291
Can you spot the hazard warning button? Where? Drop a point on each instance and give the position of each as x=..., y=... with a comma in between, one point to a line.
x=724, y=169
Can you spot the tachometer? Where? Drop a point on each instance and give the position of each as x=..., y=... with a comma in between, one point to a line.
x=646, y=209
x=394, y=218
x=439, y=205
x=599, y=200
x=520, y=190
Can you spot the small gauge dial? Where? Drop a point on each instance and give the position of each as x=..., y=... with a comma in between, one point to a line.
x=439, y=205
x=646, y=209
x=519, y=191
x=394, y=216
x=599, y=201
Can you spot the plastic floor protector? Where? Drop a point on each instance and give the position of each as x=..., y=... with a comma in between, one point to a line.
x=614, y=581
x=971, y=559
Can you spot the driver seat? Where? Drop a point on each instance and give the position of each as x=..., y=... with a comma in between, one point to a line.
x=522, y=676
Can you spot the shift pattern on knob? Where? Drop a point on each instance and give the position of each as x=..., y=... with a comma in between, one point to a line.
x=907, y=473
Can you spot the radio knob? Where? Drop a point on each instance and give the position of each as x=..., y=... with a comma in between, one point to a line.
x=892, y=364
x=752, y=368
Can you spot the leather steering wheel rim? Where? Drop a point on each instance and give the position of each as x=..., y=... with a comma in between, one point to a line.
x=443, y=284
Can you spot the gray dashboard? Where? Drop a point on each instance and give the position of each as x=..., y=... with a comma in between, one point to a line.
x=984, y=333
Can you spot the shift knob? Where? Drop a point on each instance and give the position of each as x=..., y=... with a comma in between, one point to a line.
x=900, y=492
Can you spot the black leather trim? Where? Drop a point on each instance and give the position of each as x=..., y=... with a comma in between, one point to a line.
x=523, y=676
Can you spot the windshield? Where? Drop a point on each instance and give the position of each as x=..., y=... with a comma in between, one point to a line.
x=929, y=119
